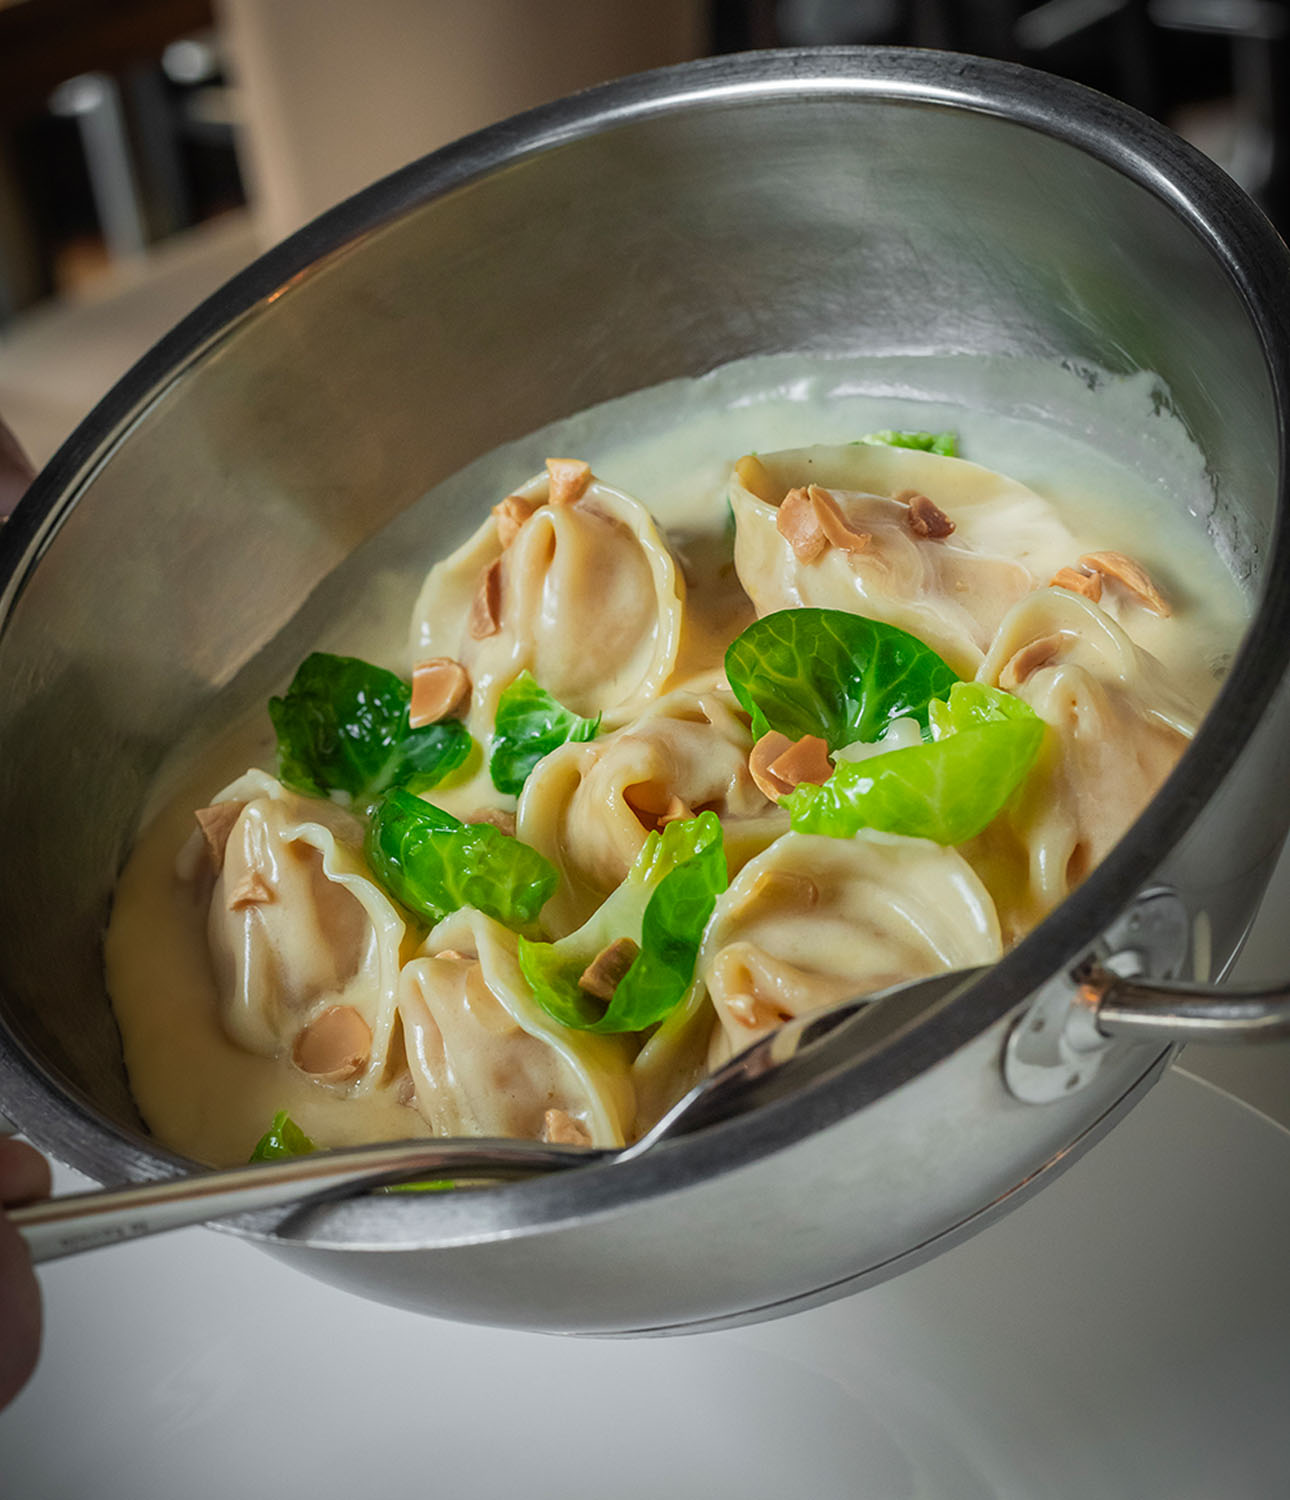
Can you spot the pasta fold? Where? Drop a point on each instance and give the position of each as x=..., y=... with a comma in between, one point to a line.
x=297, y=927
x=951, y=591
x=584, y=594
x=486, y=1060
x=814, y=920
x=1117, y=728
x=589, y=807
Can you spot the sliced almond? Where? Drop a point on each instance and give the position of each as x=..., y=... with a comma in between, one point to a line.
x=677, y=809
x=806, y=759
x=834, y=523
x=485, y=616
x=251, y=890
x=334, y=1046
x=439, y=687
x=755, y=478
x=604, y=973
x=925, y=518
x=216, y=823
x=511, y=515
x=559, y=1128
x=1130, y=575
x=568, y=480
x=1078, y=581
x=767, y=750
x=798, y=522
x=1032, y=656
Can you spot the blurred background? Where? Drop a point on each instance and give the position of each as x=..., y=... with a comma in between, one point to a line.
x=150, y=148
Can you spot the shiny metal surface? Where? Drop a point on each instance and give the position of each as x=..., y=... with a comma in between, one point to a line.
x=67, y=1225
x=1154, y=1011
x=1055, y=1047
x=831, y=201
x=773, y=1068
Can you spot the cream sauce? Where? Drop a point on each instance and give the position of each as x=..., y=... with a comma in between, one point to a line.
x=1105, y=452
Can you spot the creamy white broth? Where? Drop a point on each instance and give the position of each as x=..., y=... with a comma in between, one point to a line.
x=1139, y=489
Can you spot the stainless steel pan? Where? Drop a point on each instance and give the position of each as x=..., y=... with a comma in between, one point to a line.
x=832, y=201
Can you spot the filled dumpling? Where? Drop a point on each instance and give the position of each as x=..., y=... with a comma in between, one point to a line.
x=589, y=807
x=816, y=920
x=937, y=546
x=570, y=580
x=304, y=945
x=484, y=1060
x=1117, y=728
x=636, y=798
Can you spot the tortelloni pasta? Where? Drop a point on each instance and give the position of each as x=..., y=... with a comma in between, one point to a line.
x=537, y=882
x=813, y=921
x=568, y=578
x=835, y=527
x=484, y=1059
x=589, y=807
x=1116, y=730
x=304, y=945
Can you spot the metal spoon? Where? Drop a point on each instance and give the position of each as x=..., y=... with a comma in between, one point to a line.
x=777, y=1064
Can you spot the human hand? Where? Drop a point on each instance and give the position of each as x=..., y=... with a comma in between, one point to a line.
x=24, y=1174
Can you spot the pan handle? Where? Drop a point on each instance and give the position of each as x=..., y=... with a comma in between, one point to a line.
x=1059, y=1045
x=1171, y=1011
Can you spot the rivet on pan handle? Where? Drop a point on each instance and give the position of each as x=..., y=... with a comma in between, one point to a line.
x=1057, y=1047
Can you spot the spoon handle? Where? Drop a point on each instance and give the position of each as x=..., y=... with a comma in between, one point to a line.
x=53, y=1227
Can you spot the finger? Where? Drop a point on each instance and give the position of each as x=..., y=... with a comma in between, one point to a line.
x=20, y=1316
x=24, y=1172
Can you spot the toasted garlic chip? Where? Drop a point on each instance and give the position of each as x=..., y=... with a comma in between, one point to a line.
x=438, y=688
x=485, y=617
x=605, y=972
x=511, y=514
x=559, y=1128
x=251, y=890
x=925, y=517
x=798, y=522
x=835, y=525
x=216, y=823
x=334, y=1046
x=1078, y=581
x=1129, y=574
x=569, y=478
